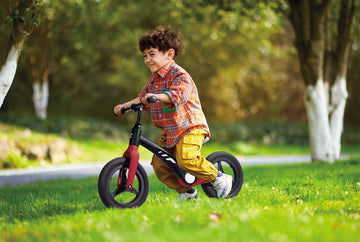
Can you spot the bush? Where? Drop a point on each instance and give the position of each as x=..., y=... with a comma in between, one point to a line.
x=71, y=127
x=272, y=133
x=254, y=133
x=260, y=133
x=13, y=160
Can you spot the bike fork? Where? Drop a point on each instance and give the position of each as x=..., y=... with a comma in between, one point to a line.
x=132, y=153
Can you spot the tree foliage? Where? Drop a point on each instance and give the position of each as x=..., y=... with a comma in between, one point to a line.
x=239, y=53
x=21, y=17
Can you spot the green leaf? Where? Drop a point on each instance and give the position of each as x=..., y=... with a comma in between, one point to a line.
x=36, y=23
x=22, y=18
x=8, y=19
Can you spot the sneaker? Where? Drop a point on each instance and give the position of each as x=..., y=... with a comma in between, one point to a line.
x=222, y=185
x=188, y=196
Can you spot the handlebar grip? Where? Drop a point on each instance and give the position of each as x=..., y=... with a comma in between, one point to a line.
x=123, y=110
x=152, y=99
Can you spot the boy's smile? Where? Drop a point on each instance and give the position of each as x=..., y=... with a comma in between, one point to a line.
x=155, y=59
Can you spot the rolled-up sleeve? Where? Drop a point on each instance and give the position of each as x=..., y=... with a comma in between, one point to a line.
x=179, y=91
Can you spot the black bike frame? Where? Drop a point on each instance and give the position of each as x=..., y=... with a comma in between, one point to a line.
x=132, y=153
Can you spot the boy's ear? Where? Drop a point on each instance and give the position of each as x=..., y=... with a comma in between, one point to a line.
x=171, y=53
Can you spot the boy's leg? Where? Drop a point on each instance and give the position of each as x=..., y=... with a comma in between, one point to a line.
x=163, y=172
x=188, y=156
x=189, y=159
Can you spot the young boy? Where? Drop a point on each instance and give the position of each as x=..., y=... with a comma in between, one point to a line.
x=177, y=113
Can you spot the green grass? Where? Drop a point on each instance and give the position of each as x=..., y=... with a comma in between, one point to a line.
x=302, y=202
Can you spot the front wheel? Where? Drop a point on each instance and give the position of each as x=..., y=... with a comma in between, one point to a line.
x=112, y=185
x=227, y=164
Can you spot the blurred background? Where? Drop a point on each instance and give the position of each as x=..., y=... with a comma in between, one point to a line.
x=241, y=56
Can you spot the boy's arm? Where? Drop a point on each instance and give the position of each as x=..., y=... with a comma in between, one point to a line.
x=162, y=97
x=117, y=108
x=180, y=90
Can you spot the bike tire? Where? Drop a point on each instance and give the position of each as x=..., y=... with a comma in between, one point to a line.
x=221, y=160
x=114, y=195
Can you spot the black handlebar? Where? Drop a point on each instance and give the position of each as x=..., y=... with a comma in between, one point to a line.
x=152, y=99
x=135, y=106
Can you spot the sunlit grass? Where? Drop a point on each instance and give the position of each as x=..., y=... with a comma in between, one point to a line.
x=302, y=202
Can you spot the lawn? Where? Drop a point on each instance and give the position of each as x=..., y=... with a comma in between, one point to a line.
x=301, y=202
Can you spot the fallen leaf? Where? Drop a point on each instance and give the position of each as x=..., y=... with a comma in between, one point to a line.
x=179, y=218
x=214, y=216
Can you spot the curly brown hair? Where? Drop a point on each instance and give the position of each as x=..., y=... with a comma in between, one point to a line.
x=163, y=39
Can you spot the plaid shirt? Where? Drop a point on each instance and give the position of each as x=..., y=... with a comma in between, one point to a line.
x=184, y=114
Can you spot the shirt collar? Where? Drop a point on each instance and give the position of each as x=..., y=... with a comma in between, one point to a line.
x=165, y=69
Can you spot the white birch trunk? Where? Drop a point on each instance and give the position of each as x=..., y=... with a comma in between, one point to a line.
x=8, y=70
x=316, y=103
x=41, y=98
x=339, y=96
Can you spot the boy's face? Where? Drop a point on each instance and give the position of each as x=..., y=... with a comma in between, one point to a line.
x=155, y=59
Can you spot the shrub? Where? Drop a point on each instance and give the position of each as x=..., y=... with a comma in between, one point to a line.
x=255, y=133
x=14, y=160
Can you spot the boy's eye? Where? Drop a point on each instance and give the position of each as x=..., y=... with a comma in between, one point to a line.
x=148, y=55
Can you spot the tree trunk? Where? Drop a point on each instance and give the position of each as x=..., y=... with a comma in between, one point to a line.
x=316, y=104
x=41, y=98
x=324, y=70
x=339, y=96
x=40, y=71
x=326, y=121
x=8, y=70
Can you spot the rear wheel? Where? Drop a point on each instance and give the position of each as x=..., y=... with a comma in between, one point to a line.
x=112, y=185
x=227, y=164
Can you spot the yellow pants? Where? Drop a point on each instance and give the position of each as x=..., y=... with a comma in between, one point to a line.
x=188, y=156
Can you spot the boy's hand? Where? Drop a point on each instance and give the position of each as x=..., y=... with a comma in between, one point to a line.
x=146, y=97
x=117, y=110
